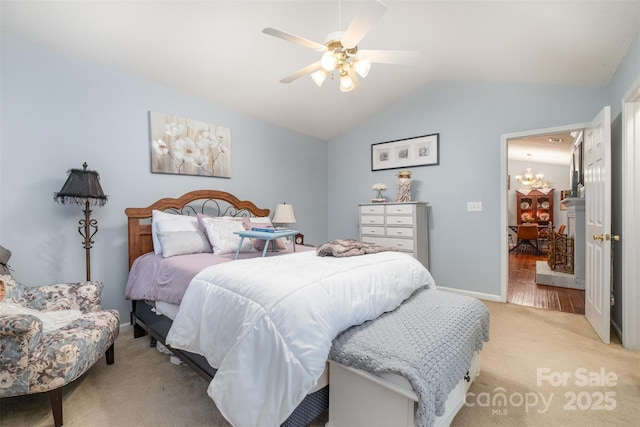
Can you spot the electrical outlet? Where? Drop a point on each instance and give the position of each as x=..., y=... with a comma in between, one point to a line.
x=474, y=206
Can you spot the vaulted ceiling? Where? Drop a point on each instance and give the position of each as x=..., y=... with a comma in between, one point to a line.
x=216, y=49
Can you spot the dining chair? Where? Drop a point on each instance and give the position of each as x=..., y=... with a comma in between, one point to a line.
x=527, y=237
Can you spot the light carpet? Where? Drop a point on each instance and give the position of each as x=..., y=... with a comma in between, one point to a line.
x=540, y=368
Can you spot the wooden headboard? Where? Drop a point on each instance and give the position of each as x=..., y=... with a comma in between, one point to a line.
x=209, y=202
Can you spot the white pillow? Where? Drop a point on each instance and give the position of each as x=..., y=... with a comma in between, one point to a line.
x=220, y=234
x=183, y=243
x=163, y=222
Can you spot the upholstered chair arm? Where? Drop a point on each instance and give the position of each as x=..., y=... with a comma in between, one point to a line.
x=83, y=296
x=19, y=337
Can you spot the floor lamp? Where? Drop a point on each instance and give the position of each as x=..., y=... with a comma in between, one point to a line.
x=83, y=189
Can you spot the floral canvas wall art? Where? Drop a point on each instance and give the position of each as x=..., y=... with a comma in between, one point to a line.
x=189, y=147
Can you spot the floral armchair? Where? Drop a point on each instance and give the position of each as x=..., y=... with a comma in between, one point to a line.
x=32, y=361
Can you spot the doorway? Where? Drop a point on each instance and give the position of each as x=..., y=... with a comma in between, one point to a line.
x=539, y=165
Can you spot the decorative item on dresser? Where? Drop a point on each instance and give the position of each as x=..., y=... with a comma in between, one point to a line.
x=404, y=186
x=379, y=187
x=400, y=225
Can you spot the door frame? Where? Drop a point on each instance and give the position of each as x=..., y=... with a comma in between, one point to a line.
x=630, y=233
x=504, y=164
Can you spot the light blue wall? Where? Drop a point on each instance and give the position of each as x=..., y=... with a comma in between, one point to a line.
x=58, y=112
x=470, y=118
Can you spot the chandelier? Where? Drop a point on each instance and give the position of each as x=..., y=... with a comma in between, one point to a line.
x=529, y=179
x=343, y=61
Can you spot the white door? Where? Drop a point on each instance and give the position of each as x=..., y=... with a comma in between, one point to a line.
x=597, y=181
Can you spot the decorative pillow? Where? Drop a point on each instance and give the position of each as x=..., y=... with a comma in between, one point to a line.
x=161, y=222
x=12, y=290
x=243, y=220
x=220, y=234
x=264, y=221
x=183, y=243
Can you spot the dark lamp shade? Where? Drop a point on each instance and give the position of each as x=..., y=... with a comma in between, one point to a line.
x=82, y=186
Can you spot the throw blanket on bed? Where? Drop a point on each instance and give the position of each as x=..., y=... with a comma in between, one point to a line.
x=350, y=247
x=267, y=324
x=430, y=340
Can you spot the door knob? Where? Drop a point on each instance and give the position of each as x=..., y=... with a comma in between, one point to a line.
x=598, y=237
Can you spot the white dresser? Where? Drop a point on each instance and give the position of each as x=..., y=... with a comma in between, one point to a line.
x=399, y=225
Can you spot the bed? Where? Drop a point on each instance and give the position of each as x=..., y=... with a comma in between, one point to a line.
x=191, y=337
x=144, y=315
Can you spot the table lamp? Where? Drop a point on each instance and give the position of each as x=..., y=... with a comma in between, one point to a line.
x=284, y=214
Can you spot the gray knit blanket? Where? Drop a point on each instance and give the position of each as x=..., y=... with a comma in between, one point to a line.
x=429, y=339
x=349, y=247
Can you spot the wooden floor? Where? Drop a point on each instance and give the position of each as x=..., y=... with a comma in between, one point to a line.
x=523, y=289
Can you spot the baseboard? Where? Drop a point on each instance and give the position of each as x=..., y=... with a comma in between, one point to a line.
x=479, y=295
x=124, y=327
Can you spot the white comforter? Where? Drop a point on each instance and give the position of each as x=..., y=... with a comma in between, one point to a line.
x=267, y=324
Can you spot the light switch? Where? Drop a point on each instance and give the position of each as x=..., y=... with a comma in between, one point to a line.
x=474, y=206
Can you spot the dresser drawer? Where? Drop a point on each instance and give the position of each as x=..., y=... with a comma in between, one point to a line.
x=372, y=231
x=400, y=231
x=399, y=220
x=371, y=219
x=400, y=244
x=399, y=209
x=369, y=209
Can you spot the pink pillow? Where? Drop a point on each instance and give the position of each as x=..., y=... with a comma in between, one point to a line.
x=264, y=221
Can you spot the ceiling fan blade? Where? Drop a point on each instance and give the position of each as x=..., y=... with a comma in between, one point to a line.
x=301, y=72
x=362, y=23
x=295, y=39
x=406, y=57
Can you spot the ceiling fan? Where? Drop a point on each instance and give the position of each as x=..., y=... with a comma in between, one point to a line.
x=340, y=51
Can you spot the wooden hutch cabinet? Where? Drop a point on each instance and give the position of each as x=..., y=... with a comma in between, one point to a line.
x=535, y=206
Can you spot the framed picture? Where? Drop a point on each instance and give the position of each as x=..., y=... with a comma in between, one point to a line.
x=189, y=147
x=577, y=164
x=404, y=153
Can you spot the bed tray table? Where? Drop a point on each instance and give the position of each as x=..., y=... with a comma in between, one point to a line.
x=267, y=236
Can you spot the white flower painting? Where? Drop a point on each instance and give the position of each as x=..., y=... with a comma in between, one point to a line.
x=189, y=147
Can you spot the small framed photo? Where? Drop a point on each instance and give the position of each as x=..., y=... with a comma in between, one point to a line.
x=405, y=153
x=578, y=172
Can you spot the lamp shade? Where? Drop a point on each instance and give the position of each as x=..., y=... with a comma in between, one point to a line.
x=319, y=76
x=284, y=214
x=82, y=186
x=346, y=83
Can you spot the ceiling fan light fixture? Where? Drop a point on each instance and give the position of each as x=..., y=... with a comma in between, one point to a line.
x=329, y=61
x=319, y=76
x=346, y=83
x=340, y=52
x=362, y=67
